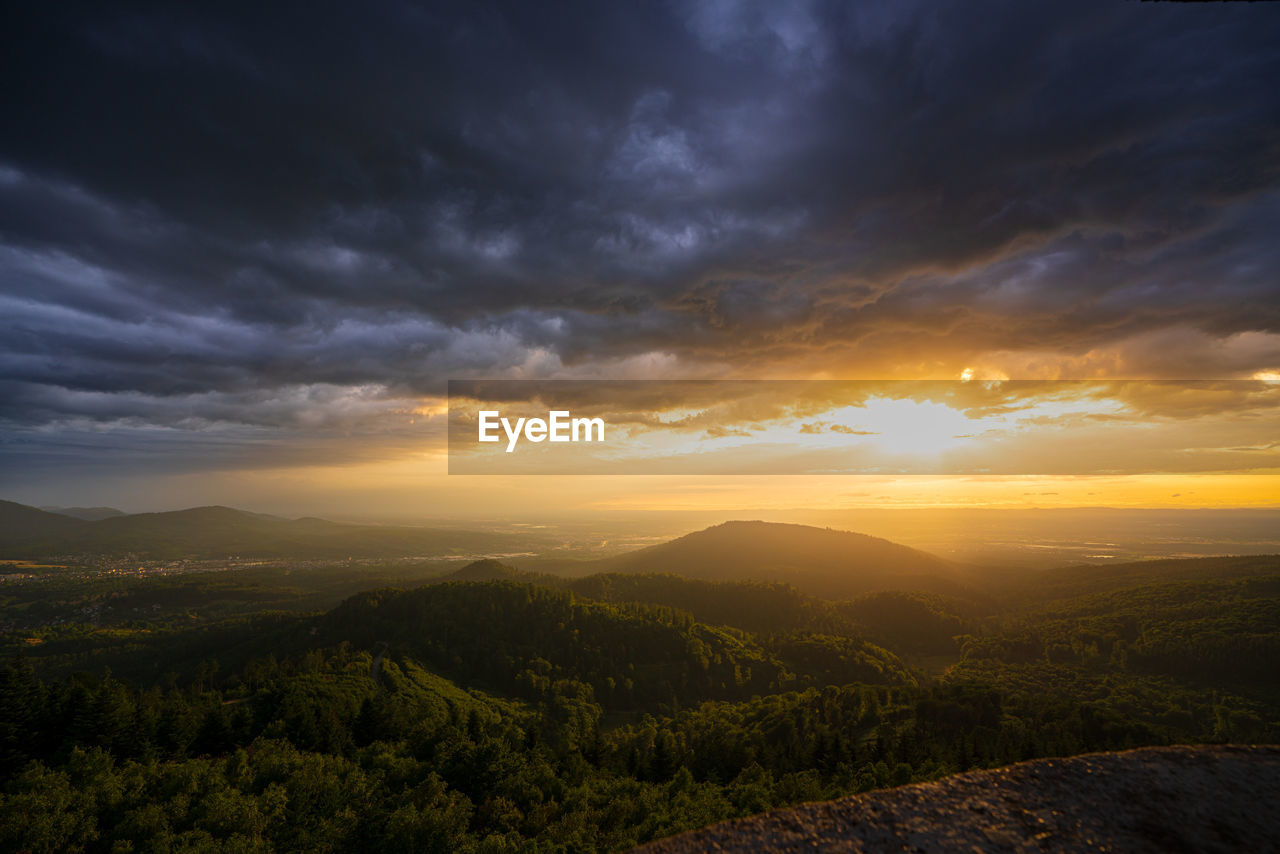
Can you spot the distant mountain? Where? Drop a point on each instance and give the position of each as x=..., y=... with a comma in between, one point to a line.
x=214, y=532
x=88, y=514
x=820, y=561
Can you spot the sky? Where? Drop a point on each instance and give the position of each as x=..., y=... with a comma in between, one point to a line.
x=243, y=247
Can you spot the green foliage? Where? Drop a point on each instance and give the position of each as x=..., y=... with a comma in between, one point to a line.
x=1219, y=631
x=909, y=622
x=470, y=717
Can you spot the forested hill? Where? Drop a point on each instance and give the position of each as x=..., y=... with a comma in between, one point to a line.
x=20, y=524
x=821, y=561
x=507, y=636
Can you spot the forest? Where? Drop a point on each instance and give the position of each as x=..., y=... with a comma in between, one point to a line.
x=490, y=709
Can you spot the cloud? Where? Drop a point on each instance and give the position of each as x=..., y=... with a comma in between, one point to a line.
x=718, y=432
x=842, y=428
x=207, y=210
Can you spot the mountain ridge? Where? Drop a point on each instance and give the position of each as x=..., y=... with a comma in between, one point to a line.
x=217, y=531
x=88, y=514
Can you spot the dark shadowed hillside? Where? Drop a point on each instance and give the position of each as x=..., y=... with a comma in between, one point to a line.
x=821, y=561
x=909, y=622
x=20, y=523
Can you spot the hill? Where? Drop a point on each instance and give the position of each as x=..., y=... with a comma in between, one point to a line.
x=821, y=561
x=215, y=532
x=88, y=514
x=487, y=569
x=508, y=637
x=1209, y=799
x=19, y=522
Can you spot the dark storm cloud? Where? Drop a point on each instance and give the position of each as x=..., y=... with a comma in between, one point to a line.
x=205, y=212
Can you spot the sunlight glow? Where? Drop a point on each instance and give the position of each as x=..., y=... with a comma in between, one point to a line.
x=908, y=426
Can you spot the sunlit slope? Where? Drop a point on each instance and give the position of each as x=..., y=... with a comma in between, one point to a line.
x=510, y=638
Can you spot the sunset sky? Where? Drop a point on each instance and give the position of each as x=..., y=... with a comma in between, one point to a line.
x=242, y=252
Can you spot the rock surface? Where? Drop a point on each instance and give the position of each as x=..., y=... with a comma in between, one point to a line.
x=1161, y=799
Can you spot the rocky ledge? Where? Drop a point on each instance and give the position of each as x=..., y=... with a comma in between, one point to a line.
x=1223, y=798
